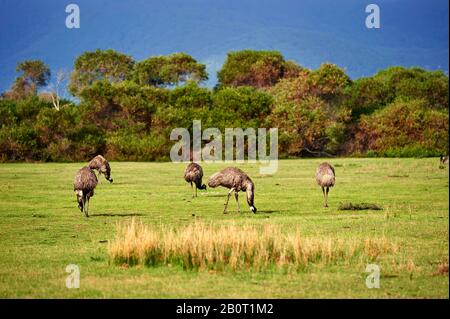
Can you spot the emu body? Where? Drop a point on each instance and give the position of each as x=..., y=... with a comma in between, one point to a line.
x=326, y=178
x=443, y=160
x=84, y=185
x=194, y=175
x=101, y=165
x=235, y=180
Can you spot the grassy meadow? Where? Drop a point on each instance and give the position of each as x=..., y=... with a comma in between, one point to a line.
x=42, y=231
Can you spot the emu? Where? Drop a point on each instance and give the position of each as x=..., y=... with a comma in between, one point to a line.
x=84, y=185
x=100, y=164
x=235, y=180
x=194, y=174
x=443, y=160
x=325, y=177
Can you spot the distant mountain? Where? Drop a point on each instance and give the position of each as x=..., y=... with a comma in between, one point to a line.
x=310, y=32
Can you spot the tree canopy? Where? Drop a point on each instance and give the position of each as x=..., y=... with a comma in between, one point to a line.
x=34, y=75
x=255, y=68
x=108, y=65
x=169, y=70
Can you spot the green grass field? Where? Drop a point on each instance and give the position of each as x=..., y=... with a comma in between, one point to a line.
x=42, y=230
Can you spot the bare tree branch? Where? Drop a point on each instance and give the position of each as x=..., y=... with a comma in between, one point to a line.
x=55, y=88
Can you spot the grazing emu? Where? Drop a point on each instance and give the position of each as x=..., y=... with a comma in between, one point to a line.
x=444, y=160
x=325, y=177
x=84, y=184
x=100, y=164
x=236, y=180
x=194, y=174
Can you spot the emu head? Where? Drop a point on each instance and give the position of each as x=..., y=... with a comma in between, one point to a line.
x=249, y=188
x=106, y=170
x=199, y=185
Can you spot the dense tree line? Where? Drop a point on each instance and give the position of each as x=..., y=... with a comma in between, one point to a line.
x=126, y=109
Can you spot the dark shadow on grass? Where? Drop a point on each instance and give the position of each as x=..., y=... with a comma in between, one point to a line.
x=266, y=211
x=246, y=212
x=359, y=206
x=114, y=215
x=216, y=195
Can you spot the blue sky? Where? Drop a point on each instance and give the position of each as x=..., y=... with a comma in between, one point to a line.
x=412, y=33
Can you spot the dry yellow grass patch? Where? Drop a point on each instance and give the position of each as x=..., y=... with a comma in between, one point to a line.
x=200, y=246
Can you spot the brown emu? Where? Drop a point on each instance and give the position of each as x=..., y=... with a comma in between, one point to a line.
x=325, y=177
x=84, y=185
x=443, y=160
x=100, y=164
x=235, y=180
x=194, y=174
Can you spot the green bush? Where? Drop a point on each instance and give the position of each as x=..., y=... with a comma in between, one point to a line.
x=239, y=107
x=403, y=129
x=124, y=145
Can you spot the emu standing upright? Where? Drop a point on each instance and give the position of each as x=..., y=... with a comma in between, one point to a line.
x=84, y=185
x=100, y=164
x=235, y=180
x=194, y=174
x=325, y=177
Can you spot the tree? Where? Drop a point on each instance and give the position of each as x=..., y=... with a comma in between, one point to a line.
x=90, y=67
x=169, y=70
x=308, y=125
x=259, y=69
x=328, y=82
x=20, y=90
x=308, y=113
x=35, y=74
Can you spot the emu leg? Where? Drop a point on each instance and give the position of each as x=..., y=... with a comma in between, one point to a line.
x=83, y=204
x=86, y=208
x=80, y=204
x=192, y=191
x=236, y=195
x=195, y=190
x=228, y=198
x=326, y=197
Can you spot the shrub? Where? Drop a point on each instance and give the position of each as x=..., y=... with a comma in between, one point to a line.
x=367, y=95
x=307, y=122
x=127, y=145
x=416, y=83
x=239, y=107
x=403, y=129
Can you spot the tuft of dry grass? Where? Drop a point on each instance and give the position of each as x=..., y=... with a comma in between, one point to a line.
x=200, y=246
